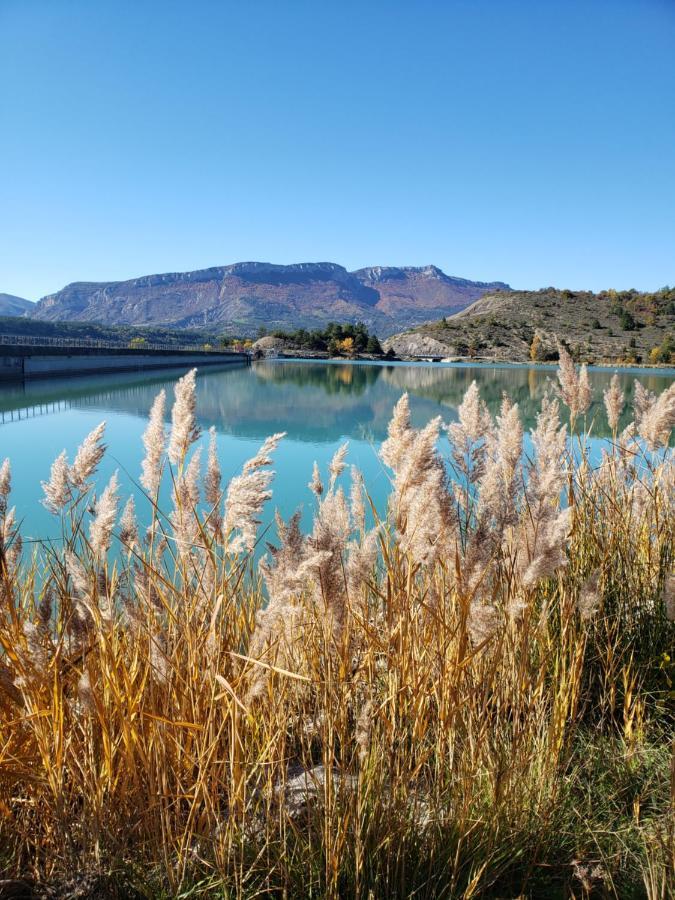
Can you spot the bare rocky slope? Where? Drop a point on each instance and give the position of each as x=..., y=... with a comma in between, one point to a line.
x=242, y=297
x=15, y=306
x=610, y=326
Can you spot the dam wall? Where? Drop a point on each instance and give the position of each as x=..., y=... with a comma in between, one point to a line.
x=22, y=363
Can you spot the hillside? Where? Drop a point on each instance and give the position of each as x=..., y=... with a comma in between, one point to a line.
x=242, y=297
x=14, y=306
x=20, y=325
x=605, y=327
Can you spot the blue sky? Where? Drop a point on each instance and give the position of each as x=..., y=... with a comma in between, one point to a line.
x=531, y=142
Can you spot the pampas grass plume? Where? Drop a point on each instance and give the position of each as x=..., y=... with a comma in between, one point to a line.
x=184, y=428
x=614, y=403
x=101, y=528
x=88, y=456
x=57, y=490
x=154, y=439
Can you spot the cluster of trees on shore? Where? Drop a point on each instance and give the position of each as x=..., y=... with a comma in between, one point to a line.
x=336, y=339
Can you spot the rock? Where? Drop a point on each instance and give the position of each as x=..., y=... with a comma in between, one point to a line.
x=17, y=889
x=307, y=787
x=417, y=345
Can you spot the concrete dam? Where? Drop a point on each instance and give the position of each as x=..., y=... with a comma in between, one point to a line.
x=21, y=362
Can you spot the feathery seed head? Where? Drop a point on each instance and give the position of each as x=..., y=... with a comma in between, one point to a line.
x=474, y=418
x=585, y=394
x=614, y=402
x=192, y=476
x=469, y=434
x=589, y=596
x=154, y=439
x=361, y=561
x=88, y=456
x=399, y=435
x=358, y=508
x=213, y=477
x=5, y=485
x=337, y=464
x=11, y=542
x=657, y=422
x=57, y=490
x=184, y=520
x=246, y=495
x=574, y=388
x=184, y=428
x=567, y=378
x=483, y=622
x=101, y=528
x=281, y=570
x=643, y=400
x=316, y=485
x=129, y=525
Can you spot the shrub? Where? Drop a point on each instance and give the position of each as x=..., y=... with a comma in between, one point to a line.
x=628, y=322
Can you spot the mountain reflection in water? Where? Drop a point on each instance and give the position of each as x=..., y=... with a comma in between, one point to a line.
x=314, y=401
x=318, y=405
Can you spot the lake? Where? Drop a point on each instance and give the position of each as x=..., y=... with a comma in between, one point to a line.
x=318, y=404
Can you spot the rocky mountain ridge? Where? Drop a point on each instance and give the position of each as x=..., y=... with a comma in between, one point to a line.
x=242, y=297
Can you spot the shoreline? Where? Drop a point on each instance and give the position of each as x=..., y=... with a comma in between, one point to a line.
x=465, y=362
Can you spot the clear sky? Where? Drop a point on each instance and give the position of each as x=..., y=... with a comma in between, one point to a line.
x=530, y=142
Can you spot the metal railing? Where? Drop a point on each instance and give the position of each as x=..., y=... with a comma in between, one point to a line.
x=36, y=340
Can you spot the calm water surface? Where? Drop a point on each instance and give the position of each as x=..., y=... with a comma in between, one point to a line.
x=319, y=405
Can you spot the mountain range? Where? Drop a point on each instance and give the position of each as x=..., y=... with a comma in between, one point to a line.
x=242, y=297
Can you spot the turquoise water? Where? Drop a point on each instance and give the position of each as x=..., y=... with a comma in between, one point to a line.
x=319, y=405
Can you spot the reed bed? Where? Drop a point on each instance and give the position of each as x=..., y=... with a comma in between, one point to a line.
x=471, y=697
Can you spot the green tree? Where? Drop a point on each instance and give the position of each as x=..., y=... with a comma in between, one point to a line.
x=627, y=319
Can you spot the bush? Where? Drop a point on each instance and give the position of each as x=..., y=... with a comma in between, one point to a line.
x=628, y=322
x=664, y=353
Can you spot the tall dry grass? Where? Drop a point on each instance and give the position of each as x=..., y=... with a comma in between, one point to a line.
x=472, y=697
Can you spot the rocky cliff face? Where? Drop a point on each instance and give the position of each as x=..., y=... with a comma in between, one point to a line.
x=14, y=306
x=244, y=296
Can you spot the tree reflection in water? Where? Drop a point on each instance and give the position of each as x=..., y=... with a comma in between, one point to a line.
x=319, y=401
